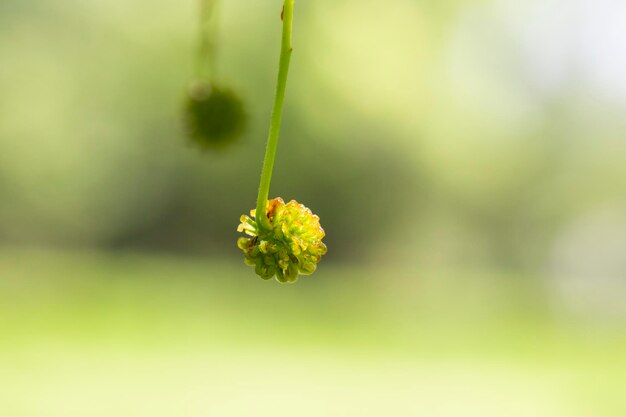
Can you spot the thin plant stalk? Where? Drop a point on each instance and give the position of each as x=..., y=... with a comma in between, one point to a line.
x=207, y=31
x=277, y=115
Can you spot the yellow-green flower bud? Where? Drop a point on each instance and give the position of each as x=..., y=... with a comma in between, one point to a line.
x=293, y=246
x=214, y=116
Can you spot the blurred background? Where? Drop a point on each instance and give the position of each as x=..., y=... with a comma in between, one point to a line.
x=467, y=159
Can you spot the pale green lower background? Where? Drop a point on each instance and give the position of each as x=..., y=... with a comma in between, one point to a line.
x=89, y=334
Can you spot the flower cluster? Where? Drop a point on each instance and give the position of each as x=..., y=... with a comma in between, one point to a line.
x=291, y=247
x=214, y=116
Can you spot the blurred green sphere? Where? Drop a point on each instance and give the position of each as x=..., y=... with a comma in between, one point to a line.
x=214, y=117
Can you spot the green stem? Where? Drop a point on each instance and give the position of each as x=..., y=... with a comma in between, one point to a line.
x=277, y=115
x=205, y=64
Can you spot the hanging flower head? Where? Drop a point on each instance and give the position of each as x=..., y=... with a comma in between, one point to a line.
x=291, y=247
x=214, y=116
x=285, y=240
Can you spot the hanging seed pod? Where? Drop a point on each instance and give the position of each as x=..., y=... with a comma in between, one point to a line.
x=214, y=117
x=291, y=247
